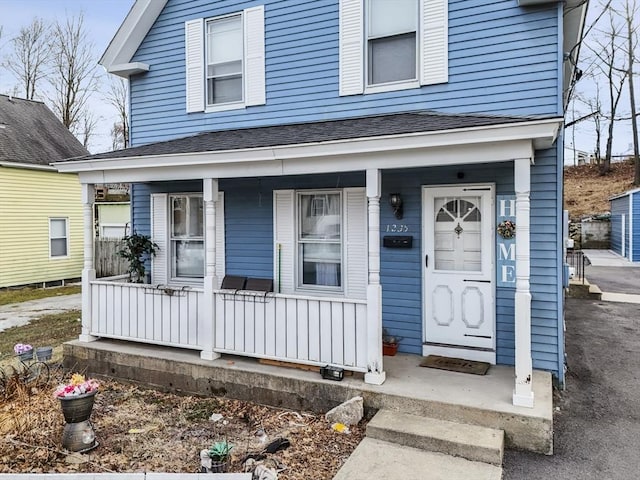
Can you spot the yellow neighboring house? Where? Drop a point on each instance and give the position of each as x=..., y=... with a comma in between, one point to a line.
x=41, y=224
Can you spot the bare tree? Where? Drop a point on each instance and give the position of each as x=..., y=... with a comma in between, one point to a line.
x=86, y=127
x=606, y=50
x=31, y=52
x=75, y=76
x=631, y=12
x=118, y=97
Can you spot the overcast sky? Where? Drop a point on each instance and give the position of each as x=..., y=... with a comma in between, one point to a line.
x=103, y=17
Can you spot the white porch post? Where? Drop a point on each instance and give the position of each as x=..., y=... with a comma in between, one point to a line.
x=523, y=393
x=375, y=374
x=88, y=270
x=208, y=318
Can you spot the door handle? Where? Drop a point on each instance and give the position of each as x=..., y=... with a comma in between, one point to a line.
x=426, y=261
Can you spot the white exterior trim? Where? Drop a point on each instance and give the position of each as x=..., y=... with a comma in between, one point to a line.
x=131, y=33
x=28, y=166
x=523, y=391
x=451, y=147
x=88, y=270
x=126, y=69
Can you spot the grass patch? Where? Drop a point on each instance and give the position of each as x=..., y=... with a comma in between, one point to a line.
x=24, y=294
x=48, y=330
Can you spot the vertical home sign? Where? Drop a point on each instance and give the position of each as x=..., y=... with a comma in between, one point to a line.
x=506, y=241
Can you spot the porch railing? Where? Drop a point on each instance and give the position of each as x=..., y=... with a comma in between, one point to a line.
x=146, y=313
x=292, y=328
x=577, y=261
x=289, y=328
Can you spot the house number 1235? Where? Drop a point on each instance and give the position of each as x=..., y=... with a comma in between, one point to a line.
x=397, y=228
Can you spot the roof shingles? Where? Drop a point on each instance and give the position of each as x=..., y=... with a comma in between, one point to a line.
x=30, y=133
x=312, y=132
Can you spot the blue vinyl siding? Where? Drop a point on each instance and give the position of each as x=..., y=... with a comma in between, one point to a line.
x=503, y=59
x=249, y=243
x=635, y=196
x=620, y=210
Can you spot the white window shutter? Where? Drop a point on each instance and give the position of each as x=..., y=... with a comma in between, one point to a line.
x=434, y=42
x=220, y=244
x=194, y=64
x=284, y=240
x=356, y=246
x=351, y=63
x=159, y=234
x=254, y=82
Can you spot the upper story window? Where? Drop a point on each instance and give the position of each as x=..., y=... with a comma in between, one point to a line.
x=224, y=59
x=388, y=45
x=392, y=35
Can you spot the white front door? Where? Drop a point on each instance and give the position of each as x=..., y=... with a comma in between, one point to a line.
x=459, y=272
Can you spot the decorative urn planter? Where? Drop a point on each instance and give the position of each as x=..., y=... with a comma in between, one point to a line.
x=78, y=434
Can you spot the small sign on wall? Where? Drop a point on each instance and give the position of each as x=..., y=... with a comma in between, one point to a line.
x=506, y=241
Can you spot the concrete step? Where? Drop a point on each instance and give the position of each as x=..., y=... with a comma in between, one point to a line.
x=478, y=444
x=377, y=459
x=583, y=289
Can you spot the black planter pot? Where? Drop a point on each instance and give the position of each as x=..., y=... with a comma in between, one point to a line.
x=77, y=409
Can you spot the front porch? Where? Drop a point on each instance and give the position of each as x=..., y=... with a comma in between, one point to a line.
x=478, y=400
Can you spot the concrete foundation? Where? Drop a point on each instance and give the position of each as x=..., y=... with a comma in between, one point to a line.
x=473, y=399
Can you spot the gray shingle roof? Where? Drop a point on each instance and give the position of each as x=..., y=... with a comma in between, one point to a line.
x=31, y=133
x=312, y=132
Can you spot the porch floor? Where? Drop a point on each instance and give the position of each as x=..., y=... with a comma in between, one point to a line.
x=474, y=399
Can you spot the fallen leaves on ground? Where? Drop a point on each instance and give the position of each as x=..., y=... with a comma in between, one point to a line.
x=142, y=430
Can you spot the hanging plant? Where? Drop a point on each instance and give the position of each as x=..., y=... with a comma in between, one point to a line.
x=507, y=229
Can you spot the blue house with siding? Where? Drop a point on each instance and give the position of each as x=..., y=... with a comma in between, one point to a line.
x=625, y=224
x=317, y=173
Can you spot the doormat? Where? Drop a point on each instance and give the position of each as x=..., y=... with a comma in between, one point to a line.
x=455, y=364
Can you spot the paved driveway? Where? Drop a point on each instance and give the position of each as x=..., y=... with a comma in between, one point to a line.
x=16, y=314
x=597, y=427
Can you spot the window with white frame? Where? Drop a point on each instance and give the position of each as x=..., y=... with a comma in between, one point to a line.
x=58, y=237
x=387, y=45
x=320, y=240
x=186, y=236
x=225, y=59
x=392, y=36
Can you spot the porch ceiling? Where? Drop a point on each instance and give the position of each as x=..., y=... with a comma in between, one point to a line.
x=386, y=141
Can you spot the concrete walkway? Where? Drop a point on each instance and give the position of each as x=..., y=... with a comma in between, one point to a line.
x=615, y=276
x=16, y=314
x=606, y=258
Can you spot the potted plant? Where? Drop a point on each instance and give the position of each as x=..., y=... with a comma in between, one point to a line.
x=76, y=399
x=134, y=248
x=220, y=455
x=389, y=343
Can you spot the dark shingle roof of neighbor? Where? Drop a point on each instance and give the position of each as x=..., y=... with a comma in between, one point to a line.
x=311, y=132
x=31, y=133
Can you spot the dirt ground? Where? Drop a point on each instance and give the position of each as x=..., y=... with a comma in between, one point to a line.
x=148, y=431
x=586, y=192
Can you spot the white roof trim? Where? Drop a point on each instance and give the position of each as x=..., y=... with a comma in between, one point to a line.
x=28, y=166
x=126, y=69
x=625, y=194
x=494, y=143
x=131, y=33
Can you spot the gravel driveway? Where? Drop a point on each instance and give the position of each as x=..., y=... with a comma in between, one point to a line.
x=15, y=314
x=597, y=429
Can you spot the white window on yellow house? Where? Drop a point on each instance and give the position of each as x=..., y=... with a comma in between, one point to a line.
x=58, y=237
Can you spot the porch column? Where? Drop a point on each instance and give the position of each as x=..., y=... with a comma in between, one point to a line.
x=208, y=318
x=375, y=374
x=88, y=270
x=523, y=393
